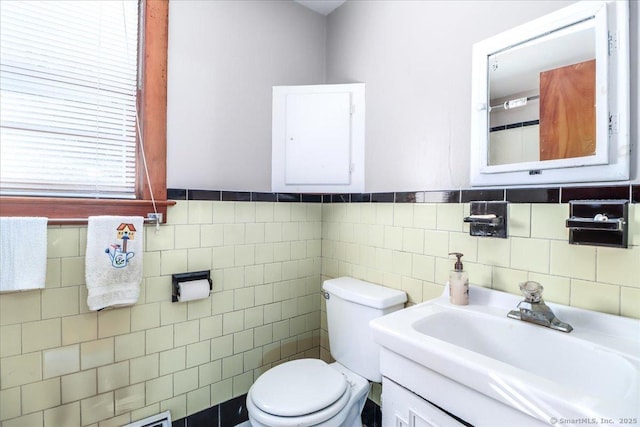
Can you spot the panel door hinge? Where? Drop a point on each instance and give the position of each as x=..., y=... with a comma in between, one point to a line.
x=613, y=124
x=352, y=167
x=613, y=43
x=352, y=110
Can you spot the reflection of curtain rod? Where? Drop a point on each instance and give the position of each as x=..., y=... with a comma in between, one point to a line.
x=515, y=103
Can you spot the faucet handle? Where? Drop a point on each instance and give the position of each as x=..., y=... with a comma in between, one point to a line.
x=532, y=291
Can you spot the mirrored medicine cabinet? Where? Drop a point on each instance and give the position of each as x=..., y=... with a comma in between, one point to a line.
x=550, y=99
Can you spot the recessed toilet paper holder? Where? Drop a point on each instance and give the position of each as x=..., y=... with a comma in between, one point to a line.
x=176, y=279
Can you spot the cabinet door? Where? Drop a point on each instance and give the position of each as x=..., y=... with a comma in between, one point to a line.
x=318, y=138
x=402, y=408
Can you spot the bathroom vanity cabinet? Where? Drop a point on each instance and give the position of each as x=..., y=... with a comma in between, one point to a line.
x=410, y=393
x=484, y=367
x=318, y=139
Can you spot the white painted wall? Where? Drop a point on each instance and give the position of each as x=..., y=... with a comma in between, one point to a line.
x=414, y=56
x=224, y=57
x=416, y=60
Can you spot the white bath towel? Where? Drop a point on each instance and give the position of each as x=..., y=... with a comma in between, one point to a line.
x=113, y=262
x=23, y=253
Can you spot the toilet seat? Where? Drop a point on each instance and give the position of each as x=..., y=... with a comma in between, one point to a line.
x=297, y=388
x=301, y=393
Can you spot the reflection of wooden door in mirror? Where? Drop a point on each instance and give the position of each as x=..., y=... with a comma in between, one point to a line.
x=568, y=112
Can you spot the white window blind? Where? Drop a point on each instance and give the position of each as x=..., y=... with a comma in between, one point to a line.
x=68, y=83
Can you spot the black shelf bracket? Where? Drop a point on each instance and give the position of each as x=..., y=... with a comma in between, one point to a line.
x=599, y=223
x=488, y=219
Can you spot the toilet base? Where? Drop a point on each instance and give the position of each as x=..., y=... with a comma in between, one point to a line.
x=356, y=423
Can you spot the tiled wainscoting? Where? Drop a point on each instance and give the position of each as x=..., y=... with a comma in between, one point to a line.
x=231, y=413
x=406, y=246
x=62, y=365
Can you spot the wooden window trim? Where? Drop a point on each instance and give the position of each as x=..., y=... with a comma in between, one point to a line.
x=153, y=100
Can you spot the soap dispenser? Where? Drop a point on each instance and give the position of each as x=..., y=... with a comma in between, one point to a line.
x=458, y=283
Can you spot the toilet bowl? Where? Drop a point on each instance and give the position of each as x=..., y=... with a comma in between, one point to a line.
x=307, y=392
x=310, y=392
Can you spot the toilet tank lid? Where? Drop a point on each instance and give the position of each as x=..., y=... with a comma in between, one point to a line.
x=364, y=293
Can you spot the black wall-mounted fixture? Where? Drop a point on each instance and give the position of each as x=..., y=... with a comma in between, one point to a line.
x=176, y=279
x=488, y=219
x=599, y=223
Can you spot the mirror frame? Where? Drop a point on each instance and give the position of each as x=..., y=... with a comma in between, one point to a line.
x=611, y=162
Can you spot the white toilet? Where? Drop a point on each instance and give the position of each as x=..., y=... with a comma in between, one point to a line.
x=310, y=392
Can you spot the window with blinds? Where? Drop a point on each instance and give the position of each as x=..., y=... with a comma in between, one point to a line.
x=68, y=84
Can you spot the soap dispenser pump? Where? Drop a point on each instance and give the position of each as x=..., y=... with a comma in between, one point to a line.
x=458, y=283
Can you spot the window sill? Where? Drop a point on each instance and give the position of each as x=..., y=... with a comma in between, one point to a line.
x=70, y=208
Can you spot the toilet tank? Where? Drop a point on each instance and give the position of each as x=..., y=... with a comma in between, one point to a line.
x=351, y=304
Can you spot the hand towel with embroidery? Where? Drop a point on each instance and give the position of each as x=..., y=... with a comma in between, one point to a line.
x=113, y=261
x=23, y=253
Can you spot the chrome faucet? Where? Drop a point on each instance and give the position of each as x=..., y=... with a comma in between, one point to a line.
x=534, y=310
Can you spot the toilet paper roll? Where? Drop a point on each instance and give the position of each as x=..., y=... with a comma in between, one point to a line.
x=193, y=289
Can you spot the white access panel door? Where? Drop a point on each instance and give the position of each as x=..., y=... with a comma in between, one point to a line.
x=318, y=138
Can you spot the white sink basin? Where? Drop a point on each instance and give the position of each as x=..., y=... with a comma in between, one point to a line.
x=592, y=372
